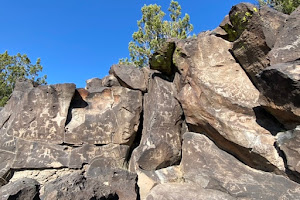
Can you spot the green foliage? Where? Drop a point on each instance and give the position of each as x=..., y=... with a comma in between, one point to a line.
x=285, y=6
x=14, y=67
x=153, y=30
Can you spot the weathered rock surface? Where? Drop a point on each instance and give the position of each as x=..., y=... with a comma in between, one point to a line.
x=130, y=76
x=289, y=142
x=160, y=145
x=115, y=185
x=22, y=189
x=220, y=171
x=287, y=45
x=177, y=191
x=128, y=136
x=250, y=49
x=218, y=99
x=280, y=92
x=111, y=116
x=93, y=85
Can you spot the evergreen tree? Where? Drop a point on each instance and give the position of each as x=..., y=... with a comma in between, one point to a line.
x=14, y=67
x=153, y=30
x=285, y=6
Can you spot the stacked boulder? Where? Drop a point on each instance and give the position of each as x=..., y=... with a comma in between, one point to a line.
x=214, y=117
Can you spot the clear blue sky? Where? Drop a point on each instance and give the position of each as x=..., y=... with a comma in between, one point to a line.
x=80, y=39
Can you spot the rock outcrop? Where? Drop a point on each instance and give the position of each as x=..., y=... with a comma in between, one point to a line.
x=213, y=117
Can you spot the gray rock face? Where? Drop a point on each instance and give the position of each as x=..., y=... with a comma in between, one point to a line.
x=177, y=191
x=287, y=45
x=220, y=171
x=109, y=81
x=93, y=85
x=280, y=88
x=130, y=76
x=288, y=142
x=218, y=99
x=160, y=144
x=272, y=24
x=115, y=185
x=110, y=116
x=22, y=189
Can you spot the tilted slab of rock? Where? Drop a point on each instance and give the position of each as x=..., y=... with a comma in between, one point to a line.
x=287, y=46
x=130, y=76
x=160, y=145
x=218, y=170
x=250, y=49
x=280, y=88
x=110, y=116
x=219, y=99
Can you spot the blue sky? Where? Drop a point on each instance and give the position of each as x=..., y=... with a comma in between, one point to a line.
x=80, y=39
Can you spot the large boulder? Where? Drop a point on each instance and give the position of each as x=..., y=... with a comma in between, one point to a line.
x=287, y=45
x=93, y=85
x=250, y=49
x=218, y=170
x=110, y=116
x=160, y=145
x=130, y=76
x=280, y=92
x=22, y=189
x=218, y=99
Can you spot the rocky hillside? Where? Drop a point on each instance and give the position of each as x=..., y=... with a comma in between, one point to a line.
x=214, y=117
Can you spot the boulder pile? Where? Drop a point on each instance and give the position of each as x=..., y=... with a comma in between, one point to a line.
x=213, y=117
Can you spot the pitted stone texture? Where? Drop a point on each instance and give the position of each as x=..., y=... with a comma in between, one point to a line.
x=287, y=46
x=187, y=191
x=22, y=189
x=280, y=88
x=218, y=99
x=111, y=116
x=289, y=142
x=93, y=85
x=42, y=112
x=130, y=76
x=160, y=145
x=218, y=170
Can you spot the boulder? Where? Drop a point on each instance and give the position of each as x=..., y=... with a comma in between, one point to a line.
x=93, y=85
x=218, y=170
x=161, y=60
x=287, y=45
x=130, y=76
x=160, y=144
x=117, y=184
x=179, y=191
x=218, y=99
x=288, y=142
x=280, y=92
x=110, y=81
x=22, y=189
x=250, y=49
x=110, y=116
x=272, y=22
